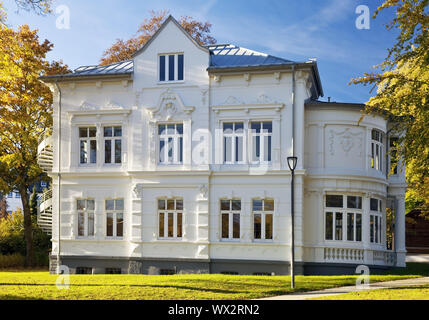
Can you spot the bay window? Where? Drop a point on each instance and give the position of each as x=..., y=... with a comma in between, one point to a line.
x=343, y=218
x=375, y=220
x=377, y=150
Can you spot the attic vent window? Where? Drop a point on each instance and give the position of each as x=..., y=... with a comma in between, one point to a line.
x=171, y=67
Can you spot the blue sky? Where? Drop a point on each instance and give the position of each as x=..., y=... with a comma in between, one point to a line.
x=295, y=30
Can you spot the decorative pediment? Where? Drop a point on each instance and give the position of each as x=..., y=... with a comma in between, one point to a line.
x=262, y=102
x=170, y=106
x=85, y=105
x=109, y=105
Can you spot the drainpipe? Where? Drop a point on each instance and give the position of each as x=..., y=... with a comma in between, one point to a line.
x=59, y=179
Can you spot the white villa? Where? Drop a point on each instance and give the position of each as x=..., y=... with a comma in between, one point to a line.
x=176, y=162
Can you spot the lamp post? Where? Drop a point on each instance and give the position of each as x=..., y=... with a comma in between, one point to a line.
x=291, y=162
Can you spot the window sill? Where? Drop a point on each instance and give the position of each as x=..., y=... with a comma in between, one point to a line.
x=167, y=82
x=170, y=239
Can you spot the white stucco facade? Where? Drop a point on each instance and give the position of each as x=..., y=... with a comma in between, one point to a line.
x=334, y=158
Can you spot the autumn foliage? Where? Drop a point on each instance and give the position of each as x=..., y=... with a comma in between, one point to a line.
x=123, y=49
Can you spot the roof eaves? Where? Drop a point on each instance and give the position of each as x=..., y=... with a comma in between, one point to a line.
x=93, y=76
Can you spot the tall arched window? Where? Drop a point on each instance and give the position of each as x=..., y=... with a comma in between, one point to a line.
x=377, y=150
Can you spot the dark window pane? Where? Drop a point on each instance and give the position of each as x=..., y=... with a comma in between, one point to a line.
x=269, y=226
x=161, y=151
x=267, y=127
x=334, y=201
x=179, y=128
x=179, y=225
x=119, y=204
x=269, y=205
x=338, y=226
x=118, y=131
x=90, y=204
x=180, y=149
x=171, y=67
x=225, y=205
x=374, y=204
x=109, y=225
x=81, y=224
x=161, y=68
x=350, y=226
x=180, y=68
x=228, y=127
x=171, y=128
x=161, y=204
x=118, y=151
x=92, y=132
x=328, y=226
x=170, y=204
x=90, y=223
x=161, y=224
x=170, y=225
x=108, y=151
x=80, y=204
x=256, y=127
x=257, y=205
x=236, y=205
x=110, y=204
x=354, y=202
x=225, y=226
x=238, y=148
x=93, y=151
x=161, y=129
x=239, y=127
x=269, y=148
x=236, y=226
x=257, y=226
x=83, y=132
x=83, y=156
x=179, y=204
x=108, y=131
x=358, y=227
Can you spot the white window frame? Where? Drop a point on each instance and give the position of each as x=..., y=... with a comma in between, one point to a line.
x=230, y=214
x=344, y=211
x=175, y=212
x=377, y=144
x=376, y=215
x=88, y=140
x=85, y=212
x=167, y=68
x=115, y=211
x=233, y=137
x=262, y=134
x=263, y=214
x=112, y=140
x=176, y=144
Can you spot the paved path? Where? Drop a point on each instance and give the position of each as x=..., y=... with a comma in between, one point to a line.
x=348, y=289
x=414, y=257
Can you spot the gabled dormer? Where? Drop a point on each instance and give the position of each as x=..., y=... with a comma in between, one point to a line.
x=171, y=57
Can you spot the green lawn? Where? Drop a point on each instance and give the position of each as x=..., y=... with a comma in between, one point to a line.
x=409, y=293
x=41, y=285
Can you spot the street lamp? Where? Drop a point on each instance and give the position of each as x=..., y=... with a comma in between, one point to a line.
x=291, y=162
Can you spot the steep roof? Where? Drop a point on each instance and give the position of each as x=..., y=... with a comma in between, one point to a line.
x=229, y=55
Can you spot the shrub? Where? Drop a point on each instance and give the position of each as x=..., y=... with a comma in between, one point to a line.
x=12, y=260
x=12, y=240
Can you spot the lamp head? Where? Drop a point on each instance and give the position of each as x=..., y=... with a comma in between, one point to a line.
x=291, y=162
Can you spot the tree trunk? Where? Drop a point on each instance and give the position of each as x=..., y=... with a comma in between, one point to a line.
x=28, y=228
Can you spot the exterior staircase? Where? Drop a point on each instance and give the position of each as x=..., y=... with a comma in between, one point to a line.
x=44, y=215
x=45, y=154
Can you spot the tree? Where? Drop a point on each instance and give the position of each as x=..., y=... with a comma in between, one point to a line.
x=3, y=207
x=33, y=202
x=25, y=115
x=40, y=7
x=402, y=82
x=123, y=50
